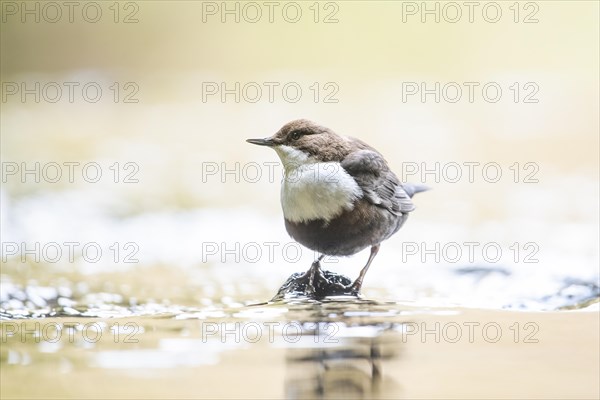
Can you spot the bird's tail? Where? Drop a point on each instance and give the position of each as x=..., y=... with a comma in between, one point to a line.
x=413, y=188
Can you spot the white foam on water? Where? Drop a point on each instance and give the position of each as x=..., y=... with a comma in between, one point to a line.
x=238, y=244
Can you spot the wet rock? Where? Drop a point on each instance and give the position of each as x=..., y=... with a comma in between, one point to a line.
x=325, y=284
x=575, y=294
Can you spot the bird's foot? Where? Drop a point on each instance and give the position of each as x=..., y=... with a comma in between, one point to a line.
x=310, y=277
x=354, y=288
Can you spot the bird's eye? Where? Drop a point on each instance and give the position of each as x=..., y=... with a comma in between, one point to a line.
x=296, y=135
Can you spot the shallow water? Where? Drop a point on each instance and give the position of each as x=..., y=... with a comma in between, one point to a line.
x=87, y=338
x=338, y=348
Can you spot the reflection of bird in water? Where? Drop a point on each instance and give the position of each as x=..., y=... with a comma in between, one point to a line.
x=338, y=195
x=352, y=370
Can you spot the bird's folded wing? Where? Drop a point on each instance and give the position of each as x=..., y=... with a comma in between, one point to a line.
x=379, y=184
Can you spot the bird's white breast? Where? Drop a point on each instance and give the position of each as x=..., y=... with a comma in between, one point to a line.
x=314, y=190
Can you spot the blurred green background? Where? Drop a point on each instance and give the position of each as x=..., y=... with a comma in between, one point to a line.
x=368, y=54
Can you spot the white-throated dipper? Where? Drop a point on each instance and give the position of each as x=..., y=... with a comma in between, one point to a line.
x=338, y=194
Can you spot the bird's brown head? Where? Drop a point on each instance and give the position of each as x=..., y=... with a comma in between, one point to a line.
x=302, y=138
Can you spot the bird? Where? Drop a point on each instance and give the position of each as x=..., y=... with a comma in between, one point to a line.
x=338, y=194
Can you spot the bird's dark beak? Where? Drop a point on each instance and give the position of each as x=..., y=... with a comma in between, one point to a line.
x=262, y=142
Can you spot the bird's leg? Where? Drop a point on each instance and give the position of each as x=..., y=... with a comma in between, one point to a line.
x=314, y=269
x=355, y=287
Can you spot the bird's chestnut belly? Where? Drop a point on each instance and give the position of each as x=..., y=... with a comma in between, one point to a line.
x=352, y=231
